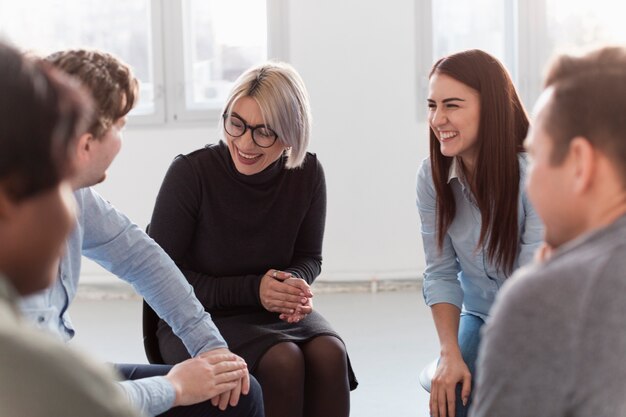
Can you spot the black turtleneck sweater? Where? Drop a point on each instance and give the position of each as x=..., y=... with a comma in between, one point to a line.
x=225, y=229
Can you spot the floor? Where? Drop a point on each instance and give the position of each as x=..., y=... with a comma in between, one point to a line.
x=390, y=338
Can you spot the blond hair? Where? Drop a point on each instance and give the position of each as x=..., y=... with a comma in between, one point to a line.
x=284, y=102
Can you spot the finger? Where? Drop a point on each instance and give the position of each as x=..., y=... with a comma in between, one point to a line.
x=451, y=397
x=229, y=377
x=442, y=403
x=301, y=284
x=223, y=369
x=304, y=310
x=286, y=297
x=282, y=310
x=235, y=394
x=279, y=275
x=434, y=412
x=219, y=358
x=224, y=398
x=282, y=275
x=245, y=383
x=215, y=401
x=466, y=390
x=285, y=288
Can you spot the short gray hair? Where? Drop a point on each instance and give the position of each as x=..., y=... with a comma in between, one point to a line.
x=281, y=95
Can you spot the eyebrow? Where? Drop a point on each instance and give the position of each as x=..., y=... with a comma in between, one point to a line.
x=447, y=100
x=246, y=122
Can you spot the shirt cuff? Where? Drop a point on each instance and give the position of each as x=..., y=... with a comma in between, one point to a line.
x=152, y=396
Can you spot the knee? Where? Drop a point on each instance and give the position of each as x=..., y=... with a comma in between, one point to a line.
x=283, y=359
x=326, y=352
x=251, y=405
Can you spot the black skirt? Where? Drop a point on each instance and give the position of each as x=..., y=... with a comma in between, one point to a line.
x=251, y=334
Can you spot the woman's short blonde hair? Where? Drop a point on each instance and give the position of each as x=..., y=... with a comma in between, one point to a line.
x=284, y=102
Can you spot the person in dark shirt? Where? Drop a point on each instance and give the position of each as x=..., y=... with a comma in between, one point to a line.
x=244, y=220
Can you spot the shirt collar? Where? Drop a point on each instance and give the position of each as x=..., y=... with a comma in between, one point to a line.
x=453, y=172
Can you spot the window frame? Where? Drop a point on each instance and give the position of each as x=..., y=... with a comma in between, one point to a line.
x=172, y=47
x=526, y=52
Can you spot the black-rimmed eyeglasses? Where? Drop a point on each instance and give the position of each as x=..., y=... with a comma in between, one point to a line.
x=262, y=135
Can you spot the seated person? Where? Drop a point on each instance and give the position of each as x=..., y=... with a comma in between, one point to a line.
x=477, y=224
x=111, y=239
x=555, y=343
x=244, y=220
x=40, y=114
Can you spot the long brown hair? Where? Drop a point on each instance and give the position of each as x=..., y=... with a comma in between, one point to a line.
x=502, y=128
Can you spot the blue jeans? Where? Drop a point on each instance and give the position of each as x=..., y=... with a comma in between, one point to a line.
x=469, y=339
x=250, y=405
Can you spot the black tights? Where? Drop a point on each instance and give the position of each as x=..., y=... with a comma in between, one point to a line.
x=308, y=380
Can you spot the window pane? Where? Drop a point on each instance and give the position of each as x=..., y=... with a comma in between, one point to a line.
x=222, y=39
x=481, y=24
x=577, y=23
x=120, y=27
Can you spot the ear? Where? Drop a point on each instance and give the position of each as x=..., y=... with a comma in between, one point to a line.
x=582, y=156
x=83, y=148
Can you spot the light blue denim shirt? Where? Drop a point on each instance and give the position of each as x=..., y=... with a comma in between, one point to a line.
x=460, y=274
x=108, y=237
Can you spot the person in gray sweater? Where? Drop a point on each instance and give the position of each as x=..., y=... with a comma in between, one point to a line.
x=555, y=343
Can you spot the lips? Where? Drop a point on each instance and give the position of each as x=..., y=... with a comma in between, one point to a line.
x=446, y=136
x=246, y=158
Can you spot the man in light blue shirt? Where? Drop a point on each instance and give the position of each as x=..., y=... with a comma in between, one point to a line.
x=214, y=378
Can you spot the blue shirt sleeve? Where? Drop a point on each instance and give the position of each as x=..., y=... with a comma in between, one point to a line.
x=441, y=284
x=122, y=248
x=152, y=396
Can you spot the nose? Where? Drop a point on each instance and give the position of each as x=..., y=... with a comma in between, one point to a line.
x=438, y=117
x=245, y=140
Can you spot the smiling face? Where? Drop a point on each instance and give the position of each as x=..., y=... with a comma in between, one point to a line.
x=249, y=158
x=454, y=117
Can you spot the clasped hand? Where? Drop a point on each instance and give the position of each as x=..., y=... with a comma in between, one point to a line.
x=283, y=293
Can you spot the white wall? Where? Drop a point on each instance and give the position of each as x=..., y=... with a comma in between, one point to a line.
x=358, y=63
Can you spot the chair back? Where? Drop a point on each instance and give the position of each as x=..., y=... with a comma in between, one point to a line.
x=150, y=324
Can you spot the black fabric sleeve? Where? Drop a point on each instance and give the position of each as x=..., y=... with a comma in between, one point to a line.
x=172, y=226
x=307, y=258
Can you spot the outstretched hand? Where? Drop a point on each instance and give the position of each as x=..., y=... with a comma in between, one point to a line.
x=208, y=376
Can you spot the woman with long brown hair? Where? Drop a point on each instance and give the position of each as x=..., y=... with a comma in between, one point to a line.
x=477, y=224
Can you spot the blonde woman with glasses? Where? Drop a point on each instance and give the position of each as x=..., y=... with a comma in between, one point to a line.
x=244, y=220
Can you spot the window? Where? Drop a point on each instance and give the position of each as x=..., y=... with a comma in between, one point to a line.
x=576, y=23
x=524, y=35
x=220, y=43
x=186, y=53
x=122, y=28
x=468, y=25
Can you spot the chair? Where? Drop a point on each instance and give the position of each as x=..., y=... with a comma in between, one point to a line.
x=150, y=323
x=426, y=376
